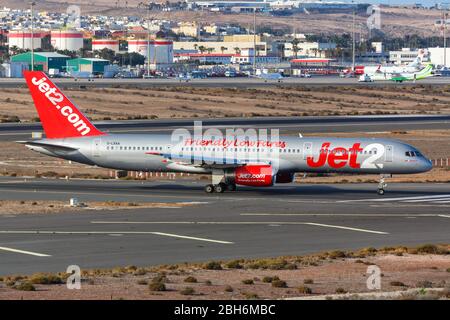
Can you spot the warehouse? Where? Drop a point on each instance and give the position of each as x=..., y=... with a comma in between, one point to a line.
x=43, y=61
x=91, y=65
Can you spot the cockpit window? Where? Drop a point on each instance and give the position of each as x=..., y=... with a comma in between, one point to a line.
x=413, y=154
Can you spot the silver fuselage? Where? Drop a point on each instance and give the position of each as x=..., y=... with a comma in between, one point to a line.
x=153, y=152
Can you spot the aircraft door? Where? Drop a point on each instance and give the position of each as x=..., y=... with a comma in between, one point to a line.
x=307, y=150
x=96, y=147
x=389, y=153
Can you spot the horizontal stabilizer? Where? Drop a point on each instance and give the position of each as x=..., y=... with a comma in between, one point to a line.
x=48, y=145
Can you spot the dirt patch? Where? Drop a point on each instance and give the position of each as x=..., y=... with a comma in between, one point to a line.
x=422, y=268
x=10, y=207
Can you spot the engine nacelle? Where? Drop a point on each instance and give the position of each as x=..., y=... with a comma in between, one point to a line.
x=252, y=175
x=284, y=177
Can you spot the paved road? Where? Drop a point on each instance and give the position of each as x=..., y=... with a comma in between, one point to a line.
x=289, y=219
x=225, y=82
x=13, y=131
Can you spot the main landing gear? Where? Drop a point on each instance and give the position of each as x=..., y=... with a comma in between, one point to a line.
x=220, y=188
x=382, y=185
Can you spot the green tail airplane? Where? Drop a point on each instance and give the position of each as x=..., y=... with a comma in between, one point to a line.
x=422, y=74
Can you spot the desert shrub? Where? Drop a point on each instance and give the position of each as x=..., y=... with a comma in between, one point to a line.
x=188, y=291
x=208, y=282
x=213, y=265
x=157, y=286
x=308, y=281
x=304, y=290
x=336, y=254
x=424, y=284
x=279, y=284
x=235, y=264
x=247, y=281
x=190, y=279
x=25, y=286
x=341, y=290
x=250, y=295
x=397, y=284
x=159, y=278
x=45, y=278
x=228, y=289
x=142, y=282
x=269, y=279
x=431, y=249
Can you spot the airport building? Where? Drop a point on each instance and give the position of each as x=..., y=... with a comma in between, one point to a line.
x=43, y=61
x=309, y=49
x=91, y=65
x=67, y=40
x=404, y=56
x=230, y=47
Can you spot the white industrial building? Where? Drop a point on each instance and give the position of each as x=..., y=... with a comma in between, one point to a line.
x=437, y=56
x=404, y=56
x=161, y=51
x=100, y=44
x=67, y=40
x=22, y=39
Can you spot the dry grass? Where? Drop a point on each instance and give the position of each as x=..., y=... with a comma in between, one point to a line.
x=420, y=268
x=180, y=102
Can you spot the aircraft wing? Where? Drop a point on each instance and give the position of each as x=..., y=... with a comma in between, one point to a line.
x=53, y=147
x=208, y=162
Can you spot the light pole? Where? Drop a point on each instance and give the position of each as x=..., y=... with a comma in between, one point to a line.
x=254, y=41
x=444, y=16
x=353, y=38
x=148, y=41
x=32, y=35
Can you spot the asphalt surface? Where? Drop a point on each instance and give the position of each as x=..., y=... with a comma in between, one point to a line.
x=242, y=82
x=15, y=131
x=283, y=220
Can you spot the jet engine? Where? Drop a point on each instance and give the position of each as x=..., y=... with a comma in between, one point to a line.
x=251, y=175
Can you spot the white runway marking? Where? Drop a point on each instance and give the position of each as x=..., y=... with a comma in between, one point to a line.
x=242, y=223
x=191, y=238
x=342, y=214
x=25, y=252
x=444, y=215
x=418, y=199
x=112, y=233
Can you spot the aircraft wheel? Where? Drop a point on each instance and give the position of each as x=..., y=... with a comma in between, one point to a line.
x=381, y=192
x=220, y=188
x=209, y=188
x=231, y=187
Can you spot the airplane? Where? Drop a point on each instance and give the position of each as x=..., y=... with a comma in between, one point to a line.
x=380, y=69
x=231, y=160
x=413, y=76
x=272, y=76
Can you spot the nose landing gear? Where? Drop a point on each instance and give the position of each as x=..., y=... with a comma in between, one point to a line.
x=382, y=185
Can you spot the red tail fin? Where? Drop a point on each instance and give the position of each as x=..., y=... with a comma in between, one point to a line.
x=59, y=116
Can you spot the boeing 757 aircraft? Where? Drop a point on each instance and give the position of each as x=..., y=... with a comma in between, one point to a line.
x=231, y=160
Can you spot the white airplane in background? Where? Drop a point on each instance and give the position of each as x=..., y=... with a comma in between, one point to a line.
x=381, y=72
x=230, y=160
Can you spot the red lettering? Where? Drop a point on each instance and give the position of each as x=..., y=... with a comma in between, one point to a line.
x=336, y=158
x=322, y=157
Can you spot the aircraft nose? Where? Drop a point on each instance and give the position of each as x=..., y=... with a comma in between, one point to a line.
x=426, y=165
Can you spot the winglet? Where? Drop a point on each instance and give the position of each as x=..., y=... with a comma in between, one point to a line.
x=60, y=118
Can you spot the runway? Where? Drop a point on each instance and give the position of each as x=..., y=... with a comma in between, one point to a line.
x=286, y=125
x=284, y=220
x=234, y=82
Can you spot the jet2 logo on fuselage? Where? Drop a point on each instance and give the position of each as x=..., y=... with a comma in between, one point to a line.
x=337, y=157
